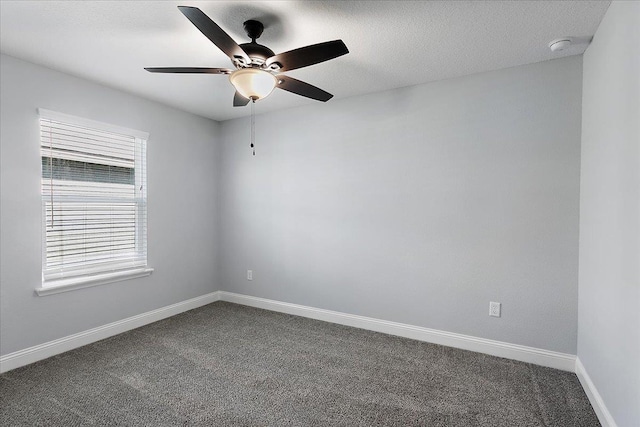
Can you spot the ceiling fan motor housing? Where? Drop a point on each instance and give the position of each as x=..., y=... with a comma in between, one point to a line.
x=257, y=52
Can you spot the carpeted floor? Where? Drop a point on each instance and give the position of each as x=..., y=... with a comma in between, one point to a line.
x=226, y=364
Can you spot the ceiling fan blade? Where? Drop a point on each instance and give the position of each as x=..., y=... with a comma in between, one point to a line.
x=309, y=55
x=301, y=88
x=239, y=100
x=214, y=33
x=197, y=70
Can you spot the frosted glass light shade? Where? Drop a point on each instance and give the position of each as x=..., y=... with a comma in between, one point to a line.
x=253, y=83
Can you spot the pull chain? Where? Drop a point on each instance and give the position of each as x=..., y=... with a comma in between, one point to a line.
x=253, y=127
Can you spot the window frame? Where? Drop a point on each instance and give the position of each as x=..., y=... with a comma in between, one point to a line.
x=94, y=276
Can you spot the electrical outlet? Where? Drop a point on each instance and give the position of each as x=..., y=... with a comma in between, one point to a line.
x=494, y=309
x=249, y=274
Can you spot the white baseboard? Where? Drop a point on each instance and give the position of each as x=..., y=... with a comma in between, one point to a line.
x=604, y=416
x=566, y=362
x=51, y=348
x=563, y=361
x=552, y=359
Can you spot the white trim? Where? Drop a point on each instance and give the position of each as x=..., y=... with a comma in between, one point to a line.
x=566, y=362
x=537, y=356
x=91, y=124
x=604, y=416
x=51, y=348
x=79, y=282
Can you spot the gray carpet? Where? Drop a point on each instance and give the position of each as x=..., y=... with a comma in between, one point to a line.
x=225, y=364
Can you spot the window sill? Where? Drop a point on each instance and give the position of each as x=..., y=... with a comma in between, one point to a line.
x=71, y=284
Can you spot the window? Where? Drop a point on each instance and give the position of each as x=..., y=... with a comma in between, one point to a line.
x=94, y=202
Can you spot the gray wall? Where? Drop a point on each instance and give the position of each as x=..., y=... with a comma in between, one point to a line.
x=418, y=205
x=609, y=297
x=182, y=152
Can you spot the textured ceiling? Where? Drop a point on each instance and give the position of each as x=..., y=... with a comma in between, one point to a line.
x=392, y=43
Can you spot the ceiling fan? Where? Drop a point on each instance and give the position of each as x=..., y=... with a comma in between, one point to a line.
x=258, y=69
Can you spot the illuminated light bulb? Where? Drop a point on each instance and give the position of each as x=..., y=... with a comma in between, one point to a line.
x=253, y=83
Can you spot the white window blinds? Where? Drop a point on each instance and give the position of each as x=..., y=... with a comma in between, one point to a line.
x=94, y=197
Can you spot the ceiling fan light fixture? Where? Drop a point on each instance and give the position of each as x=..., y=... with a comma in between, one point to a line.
x=258, y=68
x=253, y=83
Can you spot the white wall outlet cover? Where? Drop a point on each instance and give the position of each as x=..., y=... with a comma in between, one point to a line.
x=494, y=309
x=249, y=274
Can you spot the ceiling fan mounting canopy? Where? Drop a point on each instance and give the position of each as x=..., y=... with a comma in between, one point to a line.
x=253, y=29
x=256, y=65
